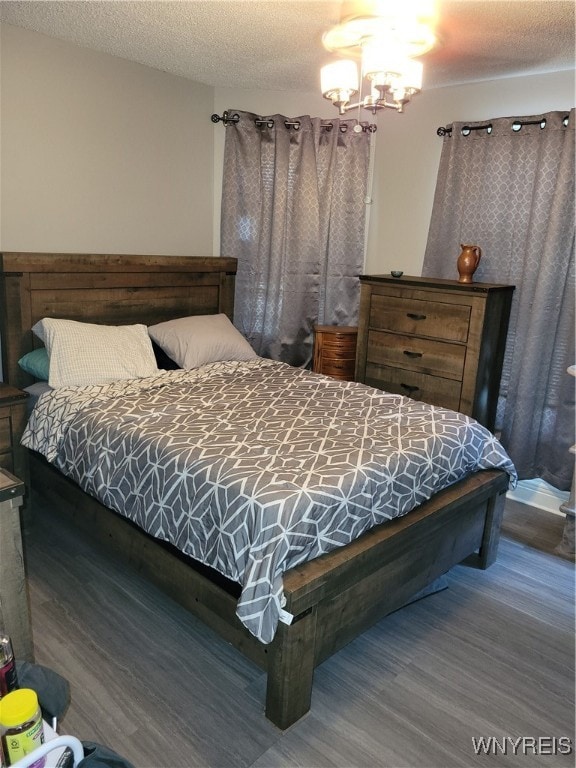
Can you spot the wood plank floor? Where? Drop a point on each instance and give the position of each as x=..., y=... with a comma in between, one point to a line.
x=491, y=656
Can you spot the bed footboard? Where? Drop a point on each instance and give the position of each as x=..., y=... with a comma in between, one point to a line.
x=333, y=598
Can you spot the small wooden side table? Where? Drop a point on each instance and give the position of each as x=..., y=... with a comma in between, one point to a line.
x=335, y=351
x=13, y=418
x=14, y=602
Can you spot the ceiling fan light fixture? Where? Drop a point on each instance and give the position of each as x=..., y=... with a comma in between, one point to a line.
x=396, y=72
x=387, y=37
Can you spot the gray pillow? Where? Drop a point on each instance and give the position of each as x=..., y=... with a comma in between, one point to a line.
x=200, y=339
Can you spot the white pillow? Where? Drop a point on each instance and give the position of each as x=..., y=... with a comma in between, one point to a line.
x=86, y=353
x=199, y=339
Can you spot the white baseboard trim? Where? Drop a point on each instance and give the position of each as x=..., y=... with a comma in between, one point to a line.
x=539, y=493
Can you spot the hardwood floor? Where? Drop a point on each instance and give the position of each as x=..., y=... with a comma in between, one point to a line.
x=491, y=656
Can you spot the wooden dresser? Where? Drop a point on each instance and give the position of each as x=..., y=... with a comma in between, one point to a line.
x=335, y=351
x=439, y=341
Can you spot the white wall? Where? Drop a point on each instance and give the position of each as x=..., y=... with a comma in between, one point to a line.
x=407, y=151
x=99, y=154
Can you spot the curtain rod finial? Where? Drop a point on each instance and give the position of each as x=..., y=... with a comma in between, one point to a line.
x=226, y=118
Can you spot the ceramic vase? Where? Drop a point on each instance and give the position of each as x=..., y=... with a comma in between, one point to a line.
x=468, y=262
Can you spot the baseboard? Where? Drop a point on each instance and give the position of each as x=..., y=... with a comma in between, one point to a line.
x=539, y=494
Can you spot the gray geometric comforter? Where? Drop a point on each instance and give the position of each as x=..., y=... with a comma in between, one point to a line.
x=255, y=467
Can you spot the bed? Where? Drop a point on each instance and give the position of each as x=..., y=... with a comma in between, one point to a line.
x=323, y=597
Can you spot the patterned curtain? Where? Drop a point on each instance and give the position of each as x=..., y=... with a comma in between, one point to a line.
x=508, y=186
x=293, y=213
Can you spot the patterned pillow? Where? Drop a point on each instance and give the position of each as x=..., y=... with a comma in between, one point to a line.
x=86, y=353
x=200, y=339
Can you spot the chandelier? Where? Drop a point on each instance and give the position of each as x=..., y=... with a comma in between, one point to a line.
x=387, y=35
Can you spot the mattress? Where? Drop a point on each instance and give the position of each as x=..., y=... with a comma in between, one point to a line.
x=253, y=468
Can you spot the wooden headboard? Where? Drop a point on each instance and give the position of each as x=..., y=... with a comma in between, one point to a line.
x=108, y=289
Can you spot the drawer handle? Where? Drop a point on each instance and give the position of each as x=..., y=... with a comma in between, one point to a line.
x=414, y=316
x=409, y=389
x=409, y=353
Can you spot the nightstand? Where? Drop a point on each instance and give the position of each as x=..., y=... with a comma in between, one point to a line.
x=14, y=606
x=335, y=351
x=13, y=418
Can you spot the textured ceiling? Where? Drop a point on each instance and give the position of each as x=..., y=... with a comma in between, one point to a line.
x=277, y=45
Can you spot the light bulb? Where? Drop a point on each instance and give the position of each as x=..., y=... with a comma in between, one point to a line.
x=339, y=76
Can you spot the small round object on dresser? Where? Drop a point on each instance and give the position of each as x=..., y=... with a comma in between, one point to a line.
x=396, y=273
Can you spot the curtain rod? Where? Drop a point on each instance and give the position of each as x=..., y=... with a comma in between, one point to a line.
x=268, y=122
x=516, y=126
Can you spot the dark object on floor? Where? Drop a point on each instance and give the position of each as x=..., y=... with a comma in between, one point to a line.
x=52, y=689
x=54, y=697
x=97, y=756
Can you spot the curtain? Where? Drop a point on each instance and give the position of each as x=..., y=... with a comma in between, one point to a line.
x=508, y=186
x=293, y=214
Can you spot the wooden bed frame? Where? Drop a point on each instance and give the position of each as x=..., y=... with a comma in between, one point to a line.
x=332, y=598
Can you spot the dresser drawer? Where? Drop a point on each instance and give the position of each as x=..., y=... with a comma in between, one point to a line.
x=437, y=358
x=7, y=461
x=433, y=319
x=5, y=432
x=419, y=386
x=13, y=417
x=339, y=369
x=337, y=346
